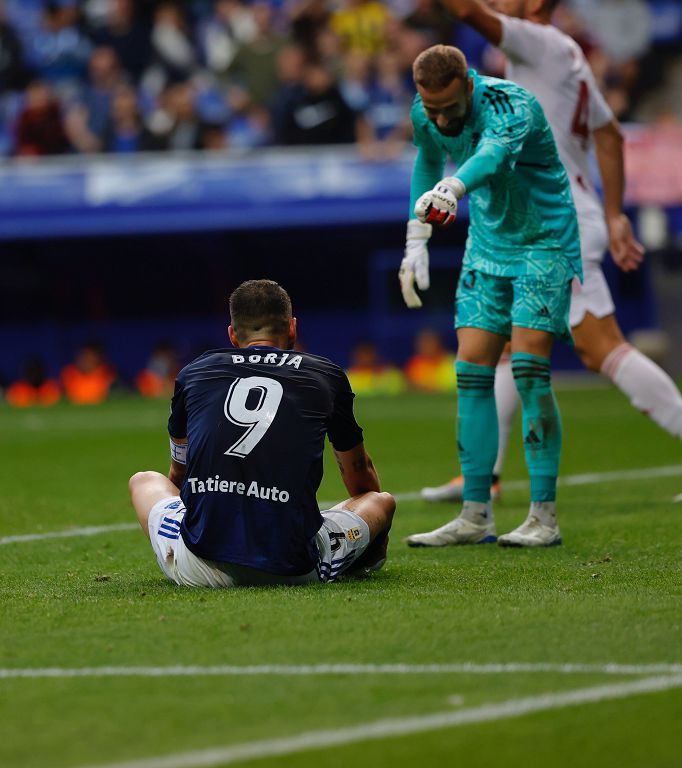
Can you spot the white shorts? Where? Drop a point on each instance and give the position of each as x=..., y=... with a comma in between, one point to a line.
x=341, y=540
x=593, y=295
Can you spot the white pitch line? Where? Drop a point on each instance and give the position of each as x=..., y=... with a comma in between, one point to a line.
x=593, y=478
x=399, y=727
x=92, y=530
x=314, y=670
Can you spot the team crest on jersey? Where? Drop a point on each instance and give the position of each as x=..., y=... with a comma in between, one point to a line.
x=173, y=505
x=353, y=534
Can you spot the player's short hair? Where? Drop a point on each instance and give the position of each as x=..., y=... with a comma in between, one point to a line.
x=436, y=67
x=260, y=306
x=551, y=5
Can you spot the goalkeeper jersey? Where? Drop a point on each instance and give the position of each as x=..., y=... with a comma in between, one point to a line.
x=522, y=216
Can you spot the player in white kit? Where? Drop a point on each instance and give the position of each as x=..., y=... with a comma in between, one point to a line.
x=552, y=66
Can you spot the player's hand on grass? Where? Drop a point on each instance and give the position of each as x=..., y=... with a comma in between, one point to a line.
x=439, y=205
x=415, y=263
x=626, y=251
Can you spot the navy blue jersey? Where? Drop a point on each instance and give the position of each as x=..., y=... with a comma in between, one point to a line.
x=255, y=421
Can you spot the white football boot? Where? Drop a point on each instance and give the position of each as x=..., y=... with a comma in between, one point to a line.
x=461, y=530
x=453, y=490
x=539, y=529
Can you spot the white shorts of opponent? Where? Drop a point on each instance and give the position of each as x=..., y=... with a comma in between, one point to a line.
x=341, y=540
x=593, y=295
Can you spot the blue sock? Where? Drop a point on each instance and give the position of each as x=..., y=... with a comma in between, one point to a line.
x=541, y=423
x=476, y=428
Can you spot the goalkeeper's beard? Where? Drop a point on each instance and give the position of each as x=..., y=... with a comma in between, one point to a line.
x=455, y=127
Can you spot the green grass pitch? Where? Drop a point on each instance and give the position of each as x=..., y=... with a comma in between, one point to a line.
x=609, y=595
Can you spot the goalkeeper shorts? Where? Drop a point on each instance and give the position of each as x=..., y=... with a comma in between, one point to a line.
x=494, y=303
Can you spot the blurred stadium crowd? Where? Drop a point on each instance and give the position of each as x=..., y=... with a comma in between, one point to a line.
x=119, y=76
x=90, y=378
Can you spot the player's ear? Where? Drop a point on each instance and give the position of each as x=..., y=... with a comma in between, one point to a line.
x=470, y=86
x=233, y=337
x=292, y=331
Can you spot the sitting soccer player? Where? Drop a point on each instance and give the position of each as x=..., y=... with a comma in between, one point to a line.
x=522, y=253
x=247, y=430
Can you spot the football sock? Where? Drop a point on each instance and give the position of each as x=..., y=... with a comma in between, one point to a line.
x=507, y=401
x=545, y=511
x=477, y=512
x=648, y=387
x=541, y=423
x=476, y=428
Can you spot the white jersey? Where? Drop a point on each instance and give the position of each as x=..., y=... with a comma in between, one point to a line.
x=552, y=66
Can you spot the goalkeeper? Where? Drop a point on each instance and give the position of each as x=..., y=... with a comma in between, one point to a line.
x=522, y=253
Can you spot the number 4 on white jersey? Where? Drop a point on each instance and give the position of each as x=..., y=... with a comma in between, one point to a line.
x=257, y=420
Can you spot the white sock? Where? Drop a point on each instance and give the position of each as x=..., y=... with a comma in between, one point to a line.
x=507, y=401
x=648, y=387
x=545, y=511
x=477, y=512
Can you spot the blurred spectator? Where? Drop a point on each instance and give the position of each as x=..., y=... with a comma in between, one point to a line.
x=87, y=120
x=388, y=108
x=432, y=367
x=89, y=378
x=34, y=388
x=12, y=69
x=290, y=67
x=173, y=58
x=249, y=124
x=158, y=377
x=40, y=127
x=125, y=130
x=308, y=18
x=104, y=75
x=368, y=375
x=431, y=20
x=213, y=137
x=317, y=113
x=356, y=80
x=175, y=125
x=361, y=25
x=128, y=37
x=255, y=64
x=231, y=25
x=58, y=50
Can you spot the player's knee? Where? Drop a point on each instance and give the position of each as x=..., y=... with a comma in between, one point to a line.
x=139, y=479
x=387, y=504
x=592, y=358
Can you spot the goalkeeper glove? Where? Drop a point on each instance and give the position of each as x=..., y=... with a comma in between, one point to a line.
x=439, y=205
x=415, y=263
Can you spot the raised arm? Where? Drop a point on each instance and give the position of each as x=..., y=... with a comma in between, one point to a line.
x=478, y=15
x=357, y=470
x=626, y=251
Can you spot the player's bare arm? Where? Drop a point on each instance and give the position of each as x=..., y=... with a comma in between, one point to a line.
x=178, y=467
x=626, y=251
x=478, y=15
x=357, y=470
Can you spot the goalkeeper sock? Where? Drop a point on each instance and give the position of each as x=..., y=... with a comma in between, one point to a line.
x=476, y=428
x=506, y=401
x=648, y=387
x=541, y=423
